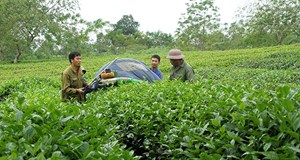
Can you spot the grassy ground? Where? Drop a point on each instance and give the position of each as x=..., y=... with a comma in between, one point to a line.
x=230, y=64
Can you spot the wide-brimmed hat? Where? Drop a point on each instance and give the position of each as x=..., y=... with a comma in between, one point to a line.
x=175, y=54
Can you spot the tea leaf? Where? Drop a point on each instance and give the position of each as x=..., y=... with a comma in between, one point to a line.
x=28, y=132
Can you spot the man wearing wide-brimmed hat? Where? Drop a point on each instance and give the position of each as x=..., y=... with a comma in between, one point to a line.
x=180, y=69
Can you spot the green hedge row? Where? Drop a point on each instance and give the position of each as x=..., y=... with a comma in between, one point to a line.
x=209, y=119
x=205, y=120
x=34, y=124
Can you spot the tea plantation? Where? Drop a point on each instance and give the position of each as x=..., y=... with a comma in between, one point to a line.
x=244, y=104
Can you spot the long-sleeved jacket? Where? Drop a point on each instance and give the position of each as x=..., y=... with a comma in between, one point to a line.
x=72, y=80
x=183, y=72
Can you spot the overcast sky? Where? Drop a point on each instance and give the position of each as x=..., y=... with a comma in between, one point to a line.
x=152, y=15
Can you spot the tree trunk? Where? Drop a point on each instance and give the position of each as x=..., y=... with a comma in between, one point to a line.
x=16, y=60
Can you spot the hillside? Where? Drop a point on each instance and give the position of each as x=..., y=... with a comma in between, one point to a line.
x=278, y=62
x=244, y=104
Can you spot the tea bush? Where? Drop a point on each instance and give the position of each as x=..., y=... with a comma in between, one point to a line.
x=244, y=104
x=205, y=120
x=34, y=123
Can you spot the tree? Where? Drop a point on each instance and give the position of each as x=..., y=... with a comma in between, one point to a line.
x=124, y=34
x=158, y=39
x=272, y=21
x=235, y=35
x=127, y=25
x=102, y=43
x=198, y=24
x=97, y=27
x=26, y=23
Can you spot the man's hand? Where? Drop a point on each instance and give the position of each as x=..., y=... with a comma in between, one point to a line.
x=89, y=86
x=79, y=90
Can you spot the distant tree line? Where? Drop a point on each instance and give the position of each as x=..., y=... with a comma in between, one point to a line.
x=48, y=28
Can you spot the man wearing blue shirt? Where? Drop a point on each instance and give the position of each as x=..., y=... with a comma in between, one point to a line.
x=155, y=61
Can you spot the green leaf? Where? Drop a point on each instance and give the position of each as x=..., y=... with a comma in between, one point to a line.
x=21, y=100
x=41, y=156
x=261, y=106
x=242, y=106
x=57, y=155
x=295, y=124
x=19, y=115
x=267, y=146
x=29, y=132
x=295, y=149
x=189, y=154
x=288, y=105
x=37, y=116
x=11, y=146
x=216, y=122
x=84, y=146
x=29, y=149
x=270, y=155
x=66, y=119
x=293, y=134
x=222, y=129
